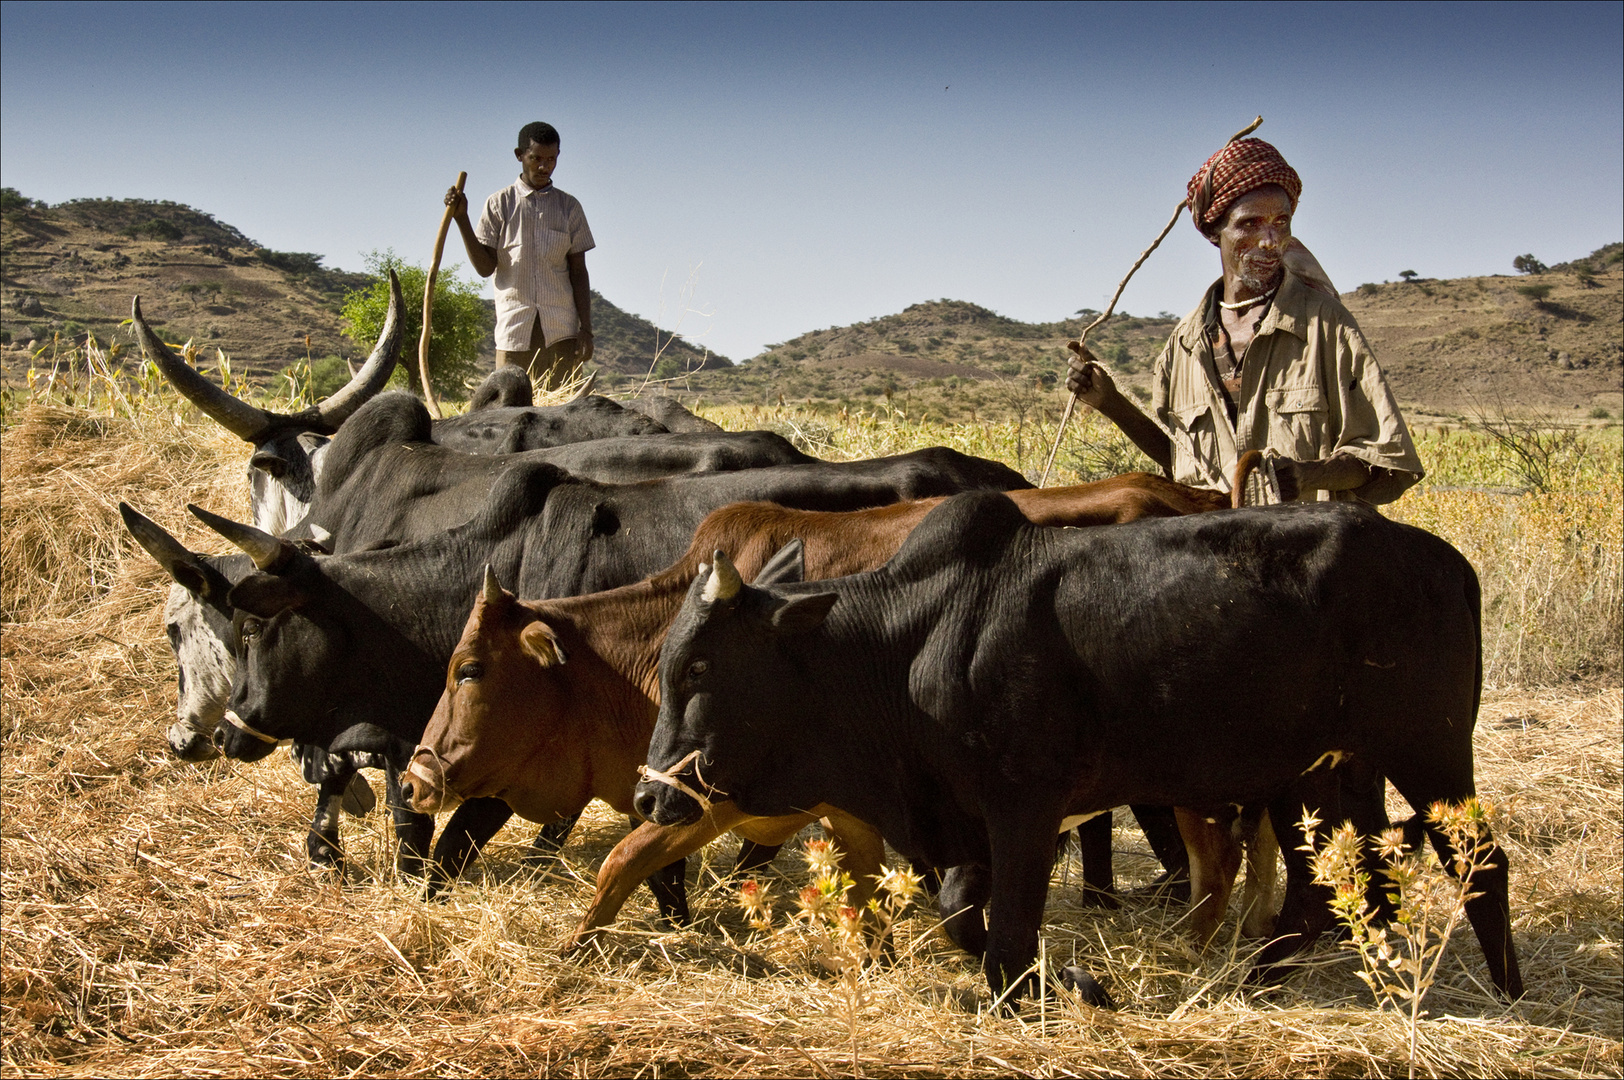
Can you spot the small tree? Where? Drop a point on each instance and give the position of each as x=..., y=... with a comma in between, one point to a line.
x=1527, y=264
x=460, y=323
x=1408, y=275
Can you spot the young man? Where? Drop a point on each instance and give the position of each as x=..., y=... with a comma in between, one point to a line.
x=534, y=238
x=1269, y=360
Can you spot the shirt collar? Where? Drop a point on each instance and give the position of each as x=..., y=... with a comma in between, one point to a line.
x=525, y=190
x=1288, y=312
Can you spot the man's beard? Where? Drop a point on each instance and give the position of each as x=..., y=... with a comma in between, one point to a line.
x=1257, y=275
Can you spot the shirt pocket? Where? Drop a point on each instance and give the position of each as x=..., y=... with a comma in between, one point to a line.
x=1194, y=437
x=1297, y=417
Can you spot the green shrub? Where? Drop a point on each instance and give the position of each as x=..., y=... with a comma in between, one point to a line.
x=1535, y=292
x=1369, y=289
x=460, y=322
x=154, y=229
x=1527, y=264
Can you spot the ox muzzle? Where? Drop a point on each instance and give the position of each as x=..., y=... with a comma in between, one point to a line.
x=425, y=787
x=238, y=739
x=667, y=797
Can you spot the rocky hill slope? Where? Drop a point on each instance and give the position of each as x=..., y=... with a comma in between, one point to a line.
x=1545, y=342
x=71, y=269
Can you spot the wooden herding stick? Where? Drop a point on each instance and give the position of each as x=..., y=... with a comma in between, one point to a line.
x=1082, y=339
x=428, y=304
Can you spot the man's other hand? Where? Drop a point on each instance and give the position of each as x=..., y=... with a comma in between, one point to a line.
x=458, y=203
x=1091, y=383
x=584, y=352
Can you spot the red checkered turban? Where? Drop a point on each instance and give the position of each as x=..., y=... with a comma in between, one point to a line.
x=1243, y=165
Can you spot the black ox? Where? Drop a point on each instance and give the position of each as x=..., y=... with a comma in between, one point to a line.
x=995, y=678
x=348, y=652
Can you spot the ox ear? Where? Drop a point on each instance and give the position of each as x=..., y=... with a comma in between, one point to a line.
x=798, y=614
x=265, y=594
x=540, y=643
x=787, y=566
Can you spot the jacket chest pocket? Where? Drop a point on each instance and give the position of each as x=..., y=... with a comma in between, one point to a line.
x=1297, y=418
x=1194, y=437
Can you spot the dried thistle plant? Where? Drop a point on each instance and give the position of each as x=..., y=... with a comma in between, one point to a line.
x=845, y=938
x=1399, y=961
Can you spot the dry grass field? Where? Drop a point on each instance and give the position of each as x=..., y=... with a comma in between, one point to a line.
x=158, y=917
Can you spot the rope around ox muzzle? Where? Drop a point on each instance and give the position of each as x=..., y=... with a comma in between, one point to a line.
x=242, y=725
x=669, y=778
x=449, y=796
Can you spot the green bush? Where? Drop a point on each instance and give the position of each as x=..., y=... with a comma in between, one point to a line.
x=1527, y=264
x=460, y=322
x=155, y=229
x=1535, y=292
x=12, y=199
x=1369, y=288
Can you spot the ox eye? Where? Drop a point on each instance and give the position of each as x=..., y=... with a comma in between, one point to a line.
x=470, y=671
x=251, y=629
x=698, y=668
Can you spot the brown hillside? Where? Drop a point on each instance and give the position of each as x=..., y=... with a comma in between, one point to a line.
x=72, y=269
x=1449, y=347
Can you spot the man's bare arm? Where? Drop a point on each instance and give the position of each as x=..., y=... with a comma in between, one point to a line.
x=1093, y=386
x=482, y=256
x=1339, y=472
x=581, y=287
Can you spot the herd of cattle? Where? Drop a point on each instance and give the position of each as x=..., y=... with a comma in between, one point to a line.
x=929, y=653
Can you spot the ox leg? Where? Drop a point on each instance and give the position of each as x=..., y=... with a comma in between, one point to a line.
x=1262, y=855
x=1094, y=849
x=753, y=857
x=1022, y=860
x=471, y=826
x=549, y=841
x=322, y=844
x=1161, y=828
x=962, y=901
x=669, y=884
x=1424, y=782
x=1306, y=911
x=640, y=855
x=1362, y=798
x=1215, y=857
x=413, y=831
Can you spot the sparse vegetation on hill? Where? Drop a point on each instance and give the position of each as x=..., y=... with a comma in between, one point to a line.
x=70, y=270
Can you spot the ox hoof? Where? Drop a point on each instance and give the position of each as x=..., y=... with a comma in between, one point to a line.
x=324, y=854
x=1086, y=987
x=1106, y=899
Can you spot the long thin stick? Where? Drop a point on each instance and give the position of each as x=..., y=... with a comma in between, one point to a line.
x=1082, y=339
x=428, y=304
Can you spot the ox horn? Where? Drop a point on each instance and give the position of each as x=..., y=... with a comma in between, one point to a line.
x=724, y=583
x=266, y=550
x=250, y=423
x=586, y=389
x=185, y=567
x=493, y=588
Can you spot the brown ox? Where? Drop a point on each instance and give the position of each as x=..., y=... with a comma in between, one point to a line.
x=551, y=703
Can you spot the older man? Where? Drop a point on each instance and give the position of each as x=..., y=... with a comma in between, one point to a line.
x=1268, y=360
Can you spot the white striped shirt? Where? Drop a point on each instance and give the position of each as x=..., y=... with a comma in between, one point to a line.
x=532, y=231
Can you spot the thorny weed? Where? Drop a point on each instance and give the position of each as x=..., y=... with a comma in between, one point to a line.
x=1399, y=961
x=844, y=938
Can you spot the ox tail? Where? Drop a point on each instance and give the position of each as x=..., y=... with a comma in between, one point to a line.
x=1245, y=465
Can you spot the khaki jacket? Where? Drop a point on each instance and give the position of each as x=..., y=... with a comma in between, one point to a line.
x=1310, y=388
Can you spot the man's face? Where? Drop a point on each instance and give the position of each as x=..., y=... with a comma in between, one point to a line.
x=537, y=162
x=1254, y=235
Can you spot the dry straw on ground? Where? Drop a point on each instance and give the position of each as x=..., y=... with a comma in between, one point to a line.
x=159, y=920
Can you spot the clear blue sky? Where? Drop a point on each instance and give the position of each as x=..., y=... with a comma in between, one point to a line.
x=814, y=165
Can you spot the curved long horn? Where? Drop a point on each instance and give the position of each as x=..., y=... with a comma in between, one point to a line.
x=266, y=550
x=724, y=583
x=374, y=374
x=586, y=388
x=184, y=566
x=238, y=417
x=252, y=424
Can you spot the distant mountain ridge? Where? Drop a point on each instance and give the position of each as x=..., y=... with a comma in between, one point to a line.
x=72, y=268
x=1547, y=341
